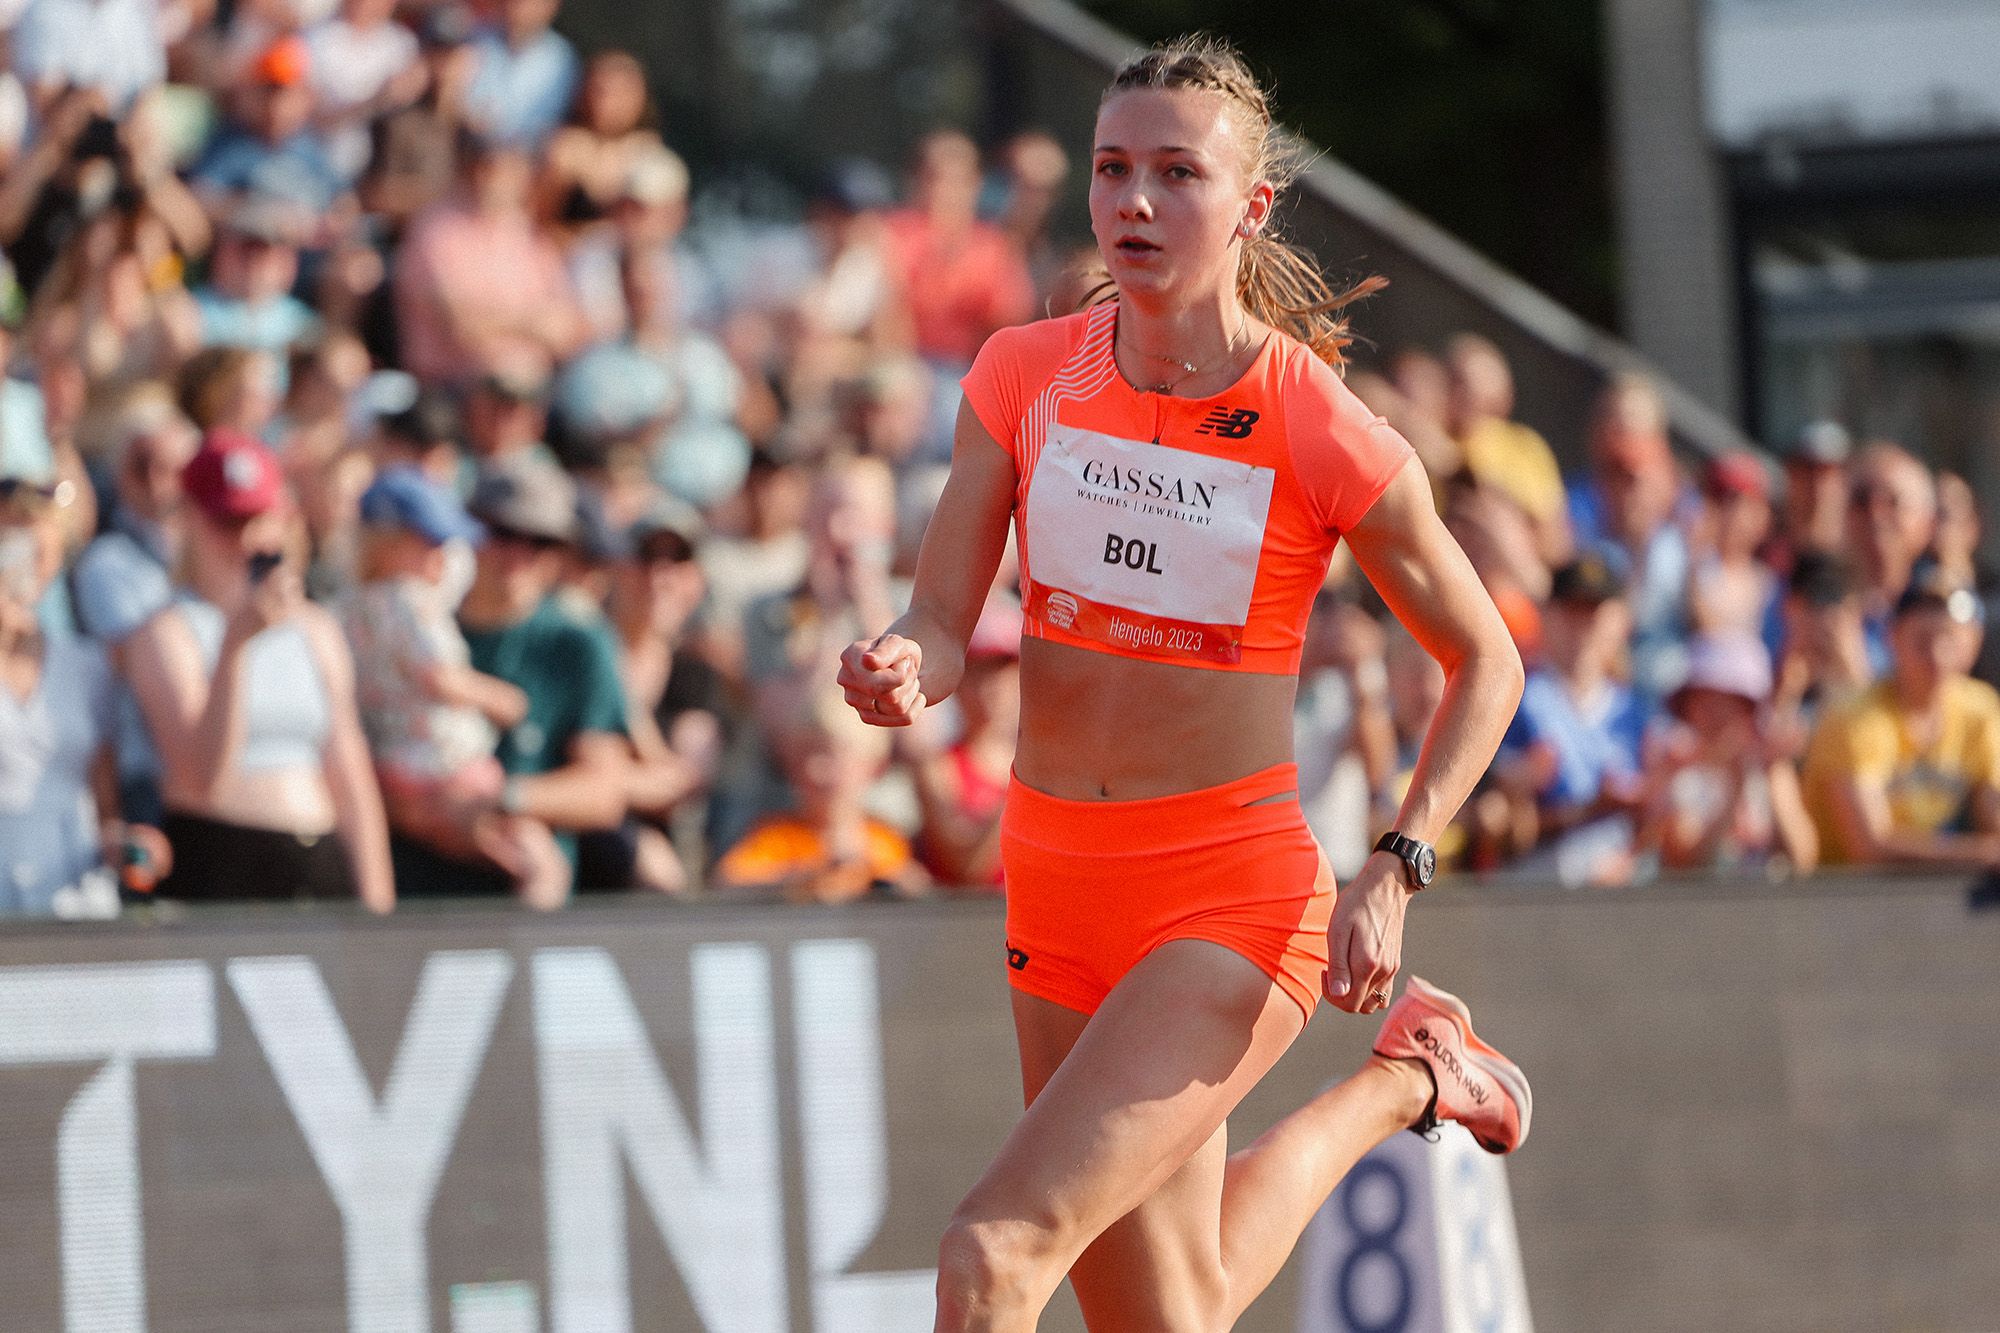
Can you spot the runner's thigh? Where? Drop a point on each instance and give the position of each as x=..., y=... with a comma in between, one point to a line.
x=1152, y=1259
x=1149, y=1081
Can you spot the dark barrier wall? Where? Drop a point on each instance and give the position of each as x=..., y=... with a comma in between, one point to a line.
x=1756, y=1108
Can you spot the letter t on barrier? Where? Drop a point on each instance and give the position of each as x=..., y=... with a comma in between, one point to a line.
x=117, y=1013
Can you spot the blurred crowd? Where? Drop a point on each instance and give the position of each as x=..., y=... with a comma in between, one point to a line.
x=400, y=498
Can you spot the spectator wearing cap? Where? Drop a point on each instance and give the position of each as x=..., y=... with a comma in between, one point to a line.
x=247, y=300
x=1813, y=516
x=1731, y=587
x=1573, y=748
x=567, y=759
x=1632, y=503
x=1721, y=793
x=433, y=721
x=268, y=147
x=1503, y=454
x=248, y=691
x=961, y=786
x=1908, y=772
x=59, y=808
x=523, y=74
x=1891, y=520
x=477, y=287
x=961, y=278
x=656, y=585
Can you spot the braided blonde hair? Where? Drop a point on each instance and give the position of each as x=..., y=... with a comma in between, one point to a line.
x=1276, y=281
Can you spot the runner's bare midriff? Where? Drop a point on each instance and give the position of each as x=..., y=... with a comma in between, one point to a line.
x=1095, y=726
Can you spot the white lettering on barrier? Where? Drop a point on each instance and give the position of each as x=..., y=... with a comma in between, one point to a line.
x=605, y=1104
x=118, y=1013
x=1419, y=1238
x=381, y=1160
x=838, y=1026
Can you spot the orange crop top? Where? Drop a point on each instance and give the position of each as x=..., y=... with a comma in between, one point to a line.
x=1186, y=530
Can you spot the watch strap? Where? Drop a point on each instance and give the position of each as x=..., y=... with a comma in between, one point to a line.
x=1407, y=850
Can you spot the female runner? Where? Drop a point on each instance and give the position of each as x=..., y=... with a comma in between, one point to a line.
x=1179, y=461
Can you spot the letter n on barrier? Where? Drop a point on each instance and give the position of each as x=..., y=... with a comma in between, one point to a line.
x=605, y=1104
x=118, y=1013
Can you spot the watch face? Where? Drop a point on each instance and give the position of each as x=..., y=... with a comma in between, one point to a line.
x=1427, y=864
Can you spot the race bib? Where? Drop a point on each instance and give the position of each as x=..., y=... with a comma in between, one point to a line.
x=1141, y=546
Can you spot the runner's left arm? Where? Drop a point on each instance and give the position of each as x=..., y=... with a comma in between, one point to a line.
x=1428, y=584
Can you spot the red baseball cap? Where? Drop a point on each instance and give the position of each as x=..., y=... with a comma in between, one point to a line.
x=233, y=477
x=1738, y=472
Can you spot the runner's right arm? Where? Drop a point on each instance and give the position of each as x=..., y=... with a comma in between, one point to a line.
x=920, y=658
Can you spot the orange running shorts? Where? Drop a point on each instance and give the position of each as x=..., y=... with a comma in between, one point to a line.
x=1095, y=886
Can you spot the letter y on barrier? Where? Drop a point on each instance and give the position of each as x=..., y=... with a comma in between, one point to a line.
x=118, y=1013
x=381, y=1160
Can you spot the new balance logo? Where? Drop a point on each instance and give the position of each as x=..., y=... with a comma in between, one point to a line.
x=1474, y=1089
x=1017, y=959
x=1231, y=423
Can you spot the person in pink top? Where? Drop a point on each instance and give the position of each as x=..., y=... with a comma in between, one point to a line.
x=478, y=287
x=961, y=277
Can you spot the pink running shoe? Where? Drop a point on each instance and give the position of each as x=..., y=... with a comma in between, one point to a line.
x=1476, y=1085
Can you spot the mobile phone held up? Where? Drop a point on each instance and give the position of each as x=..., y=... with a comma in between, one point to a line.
x=262, y=563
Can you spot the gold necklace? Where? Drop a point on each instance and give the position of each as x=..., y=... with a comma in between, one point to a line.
x=1188, y=368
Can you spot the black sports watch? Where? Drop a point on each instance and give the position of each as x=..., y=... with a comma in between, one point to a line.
x=1420, y=859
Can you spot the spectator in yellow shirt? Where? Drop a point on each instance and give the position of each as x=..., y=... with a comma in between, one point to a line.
x=1908, y=771
x=1500, y=452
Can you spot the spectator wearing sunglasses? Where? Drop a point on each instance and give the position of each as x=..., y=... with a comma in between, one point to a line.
x=566, y=759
